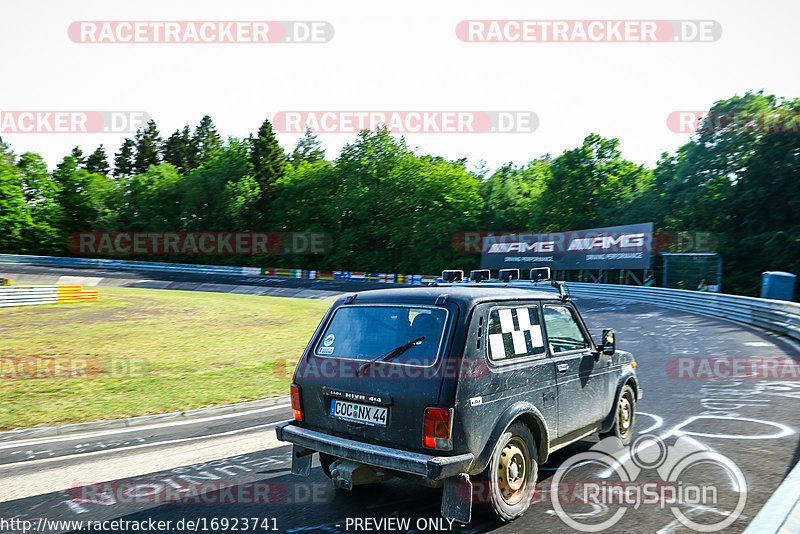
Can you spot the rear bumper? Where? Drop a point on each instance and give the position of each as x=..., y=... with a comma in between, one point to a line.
x=430, y=467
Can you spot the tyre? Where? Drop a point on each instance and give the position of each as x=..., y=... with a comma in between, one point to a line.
x=511, y=475
x=624, y=417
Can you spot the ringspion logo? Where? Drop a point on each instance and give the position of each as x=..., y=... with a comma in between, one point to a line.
x=588, y=31
x=406, y=122
x=199, y=31
x=60, y=121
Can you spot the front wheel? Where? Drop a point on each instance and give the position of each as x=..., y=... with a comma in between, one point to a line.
x=511, y=476
x=624, y=417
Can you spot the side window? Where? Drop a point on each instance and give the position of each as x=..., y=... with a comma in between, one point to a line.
x=514, y=333
x=563, y=332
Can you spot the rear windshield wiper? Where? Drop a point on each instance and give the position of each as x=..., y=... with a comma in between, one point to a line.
x=394, y=353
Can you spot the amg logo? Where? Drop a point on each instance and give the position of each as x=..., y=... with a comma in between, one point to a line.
x=536, y=246
x=606, y=242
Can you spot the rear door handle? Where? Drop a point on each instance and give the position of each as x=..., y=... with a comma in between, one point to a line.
x=562, y=367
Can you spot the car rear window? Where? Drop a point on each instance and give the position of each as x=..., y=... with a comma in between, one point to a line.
x=367, y=332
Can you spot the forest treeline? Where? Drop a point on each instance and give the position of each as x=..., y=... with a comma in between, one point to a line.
x=389, y=208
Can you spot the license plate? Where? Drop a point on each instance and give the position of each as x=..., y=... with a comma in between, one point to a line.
x=361, y=413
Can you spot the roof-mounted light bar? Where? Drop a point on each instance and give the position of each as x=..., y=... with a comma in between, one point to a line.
x=453, y=275
x=507, y=275
x=479, y=275
x=540, y=274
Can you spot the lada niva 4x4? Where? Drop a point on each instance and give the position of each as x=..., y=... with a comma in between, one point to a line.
x=452, y=384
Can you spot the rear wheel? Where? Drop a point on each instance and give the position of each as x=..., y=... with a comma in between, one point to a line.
x=511, y=476
x=624, y=418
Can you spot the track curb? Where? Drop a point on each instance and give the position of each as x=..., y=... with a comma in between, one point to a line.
x=781, y=514
x=142, y=420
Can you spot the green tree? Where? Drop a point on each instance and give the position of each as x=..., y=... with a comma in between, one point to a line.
x=308, y=148
x=77, y=154
x=73, y=196
x=590, y=186
x=179, y=150
x=151, y=201
x=216, y=194
x=511, y=195
x=737, y=178
x=148, y=148
x=41, y=194
x=14, y=214
x=397, y=211
x=103, y=193
x=123, y=160
x=206, y=142
x=97, y=162
x=269, y=164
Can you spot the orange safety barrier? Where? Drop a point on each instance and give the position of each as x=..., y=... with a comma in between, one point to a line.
x=75, y=294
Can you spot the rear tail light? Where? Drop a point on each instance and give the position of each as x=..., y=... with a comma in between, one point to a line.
x=297, y=407
x=436, y=428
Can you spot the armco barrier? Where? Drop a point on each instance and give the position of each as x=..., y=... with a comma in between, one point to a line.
x=125, y=265
x=777, y=315
x=154, y=266
x=45, y=294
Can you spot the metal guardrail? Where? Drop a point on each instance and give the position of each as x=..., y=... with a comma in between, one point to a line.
x=779, y=316
x=44, y=294
x=125, y=265
x=776, y=315
x=154, y=266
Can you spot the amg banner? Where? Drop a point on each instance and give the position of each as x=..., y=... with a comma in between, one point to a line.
x=615, y=247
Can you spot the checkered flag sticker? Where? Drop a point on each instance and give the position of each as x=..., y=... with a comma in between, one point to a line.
x=514, y=333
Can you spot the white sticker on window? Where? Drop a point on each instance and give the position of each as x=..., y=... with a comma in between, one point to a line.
x=518, y=338
x=524, y=318
x=325, y=350
x=497, y=346
x=536, y=337
x=506, y=321
x=329, y=340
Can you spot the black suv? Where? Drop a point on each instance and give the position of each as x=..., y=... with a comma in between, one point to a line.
x=451, y=384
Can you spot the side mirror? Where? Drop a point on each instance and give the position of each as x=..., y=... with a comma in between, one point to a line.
x=608, y=345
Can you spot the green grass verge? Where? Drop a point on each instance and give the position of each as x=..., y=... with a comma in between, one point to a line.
x=147, y=351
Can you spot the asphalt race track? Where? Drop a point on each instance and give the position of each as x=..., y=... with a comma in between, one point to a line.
x=232, y=469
